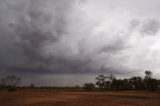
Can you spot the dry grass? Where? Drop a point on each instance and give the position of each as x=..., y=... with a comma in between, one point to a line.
x=60, y=98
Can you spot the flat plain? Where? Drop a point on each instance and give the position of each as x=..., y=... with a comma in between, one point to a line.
x=79, y=98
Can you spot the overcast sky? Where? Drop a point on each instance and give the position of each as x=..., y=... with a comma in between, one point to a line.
x=67, y=42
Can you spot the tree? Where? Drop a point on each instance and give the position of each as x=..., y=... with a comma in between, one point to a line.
x=154, y=84
x=89, y=86
x=134, y=83
x=148, y=74
x=126, y=85
x=137, y=83
x=32, y=86
x=101, y=81
x=1, y=85
x=147, y=79
x=158, y=84
x=11, y=82
x=111, y=78
x=150, y=83
x=116, y=84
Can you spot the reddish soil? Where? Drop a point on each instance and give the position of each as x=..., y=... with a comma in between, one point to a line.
x=64, y=98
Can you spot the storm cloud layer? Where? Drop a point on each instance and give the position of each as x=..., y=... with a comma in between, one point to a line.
x=78, y=36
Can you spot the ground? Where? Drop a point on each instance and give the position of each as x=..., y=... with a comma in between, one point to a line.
x=81, y=98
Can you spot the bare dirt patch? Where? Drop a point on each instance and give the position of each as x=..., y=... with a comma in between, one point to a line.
x=61, y=98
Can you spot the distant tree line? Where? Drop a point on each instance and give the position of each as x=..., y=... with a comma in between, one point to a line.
x=103, y=83
x=110, y=82
x=10, y=83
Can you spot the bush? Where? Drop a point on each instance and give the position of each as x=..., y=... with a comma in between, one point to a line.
x=11, y=88
x=89, y=86
x=11, y=83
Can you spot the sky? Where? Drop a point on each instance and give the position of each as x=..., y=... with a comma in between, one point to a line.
x=69, y=42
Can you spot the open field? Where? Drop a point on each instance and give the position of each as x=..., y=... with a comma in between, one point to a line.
x=64, y=98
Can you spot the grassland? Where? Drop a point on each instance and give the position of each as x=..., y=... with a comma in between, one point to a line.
x=81, y=98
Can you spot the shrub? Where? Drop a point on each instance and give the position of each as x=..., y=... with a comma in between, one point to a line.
x=89, y=86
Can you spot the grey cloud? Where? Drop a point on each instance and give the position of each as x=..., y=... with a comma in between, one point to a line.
x=24, y=34
x=150, y=27
x=115, y=46
x=31, y=30
x=56, y=37
x=134, y=23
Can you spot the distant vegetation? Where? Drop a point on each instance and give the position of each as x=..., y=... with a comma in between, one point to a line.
x=89, y=86
x=103, y=83
x=134, y=83
x=10, y=83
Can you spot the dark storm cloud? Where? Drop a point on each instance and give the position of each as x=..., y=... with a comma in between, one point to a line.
x=27, y=29
x=32, y=26
x=61, y=36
